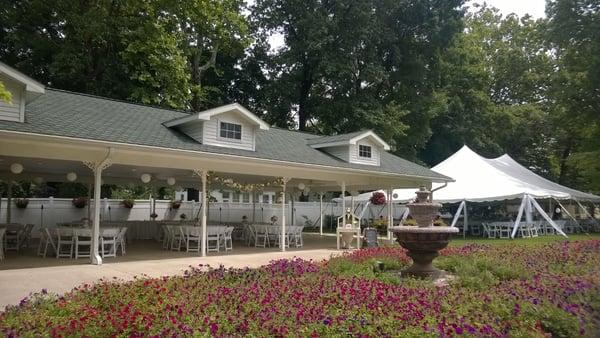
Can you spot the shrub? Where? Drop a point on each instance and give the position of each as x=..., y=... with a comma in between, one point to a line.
x=128, y=203
x=378, y=198
x=79, y=202
x=21, y=203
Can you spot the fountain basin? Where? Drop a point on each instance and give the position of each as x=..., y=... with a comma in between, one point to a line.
x=423, y=244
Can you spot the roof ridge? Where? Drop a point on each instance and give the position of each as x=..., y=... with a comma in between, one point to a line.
x=120, y=101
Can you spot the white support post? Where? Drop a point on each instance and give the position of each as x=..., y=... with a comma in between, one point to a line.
x=321, y=213
x=390, y=214
x=545, y=216
x=466, y=219
x=282, y=239
x=204, y=200
x=529, y=211
x=584, y=209
x=569, y=214
x=343, y=198
x=96, y=259
x=457, y=214
x=519, y=216
x=405, y=214
x=97, y=168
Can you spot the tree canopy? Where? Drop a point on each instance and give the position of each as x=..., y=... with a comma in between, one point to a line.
x=426, y=75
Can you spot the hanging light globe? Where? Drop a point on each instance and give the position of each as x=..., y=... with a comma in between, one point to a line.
x=171, y=181
x=71, y=177
x=146, y=178
x=16, y=168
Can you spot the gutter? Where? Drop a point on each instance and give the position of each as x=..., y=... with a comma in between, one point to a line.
x=259, y=160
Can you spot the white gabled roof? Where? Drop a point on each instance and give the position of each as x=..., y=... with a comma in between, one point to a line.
x=478, y=179
x=31, y=85
x=207, y=114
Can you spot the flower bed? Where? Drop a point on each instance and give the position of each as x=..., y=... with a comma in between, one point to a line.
x=505, y=290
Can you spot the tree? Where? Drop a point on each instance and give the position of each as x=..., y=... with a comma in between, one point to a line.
x=5, y=95
x=348, y=65
x=145, y=51
x=573, y=27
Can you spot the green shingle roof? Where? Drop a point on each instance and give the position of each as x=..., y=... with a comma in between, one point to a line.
x=335, y=138
x=62, y=113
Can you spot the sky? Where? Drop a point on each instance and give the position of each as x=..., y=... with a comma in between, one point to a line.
x=535, y=8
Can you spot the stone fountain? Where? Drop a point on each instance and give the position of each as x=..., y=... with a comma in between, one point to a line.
x=423, y=241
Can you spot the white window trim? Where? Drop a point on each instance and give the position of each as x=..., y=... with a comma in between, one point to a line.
x=370, y=151
x=226, y=139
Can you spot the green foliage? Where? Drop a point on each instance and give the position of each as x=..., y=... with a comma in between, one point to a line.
x=5, y=95
x=479, y=272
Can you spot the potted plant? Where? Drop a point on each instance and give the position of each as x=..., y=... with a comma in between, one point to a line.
x=439, y=223
x=377, y=198
x=409, y=222
x=21, y=203
x=128, y=203
x=79, y=202
x=175, y=204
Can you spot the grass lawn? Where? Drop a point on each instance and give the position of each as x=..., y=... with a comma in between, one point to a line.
x=539, y=287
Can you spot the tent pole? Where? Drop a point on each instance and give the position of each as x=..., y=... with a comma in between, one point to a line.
x=519, y=216
x=571, y=216
x=545, y=216
x=466, y=220
x=457, y=214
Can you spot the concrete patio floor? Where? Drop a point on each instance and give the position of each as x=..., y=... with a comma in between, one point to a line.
x=24, y=273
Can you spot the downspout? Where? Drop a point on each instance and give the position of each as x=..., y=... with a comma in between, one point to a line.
x=436, y=189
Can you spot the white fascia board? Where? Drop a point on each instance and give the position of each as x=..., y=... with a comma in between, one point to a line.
x=374, y=136
x=30, y=84
x=207, y=114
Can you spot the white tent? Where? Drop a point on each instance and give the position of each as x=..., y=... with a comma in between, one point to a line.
x=478, y=179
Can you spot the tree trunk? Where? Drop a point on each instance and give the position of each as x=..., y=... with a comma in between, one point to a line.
x=305, y=87
x=563, y=162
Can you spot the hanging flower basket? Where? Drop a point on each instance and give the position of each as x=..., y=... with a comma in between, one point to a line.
x=79, y=202
x=21, y=203
x=378, y=198
x=128, y=203
x=175, y=204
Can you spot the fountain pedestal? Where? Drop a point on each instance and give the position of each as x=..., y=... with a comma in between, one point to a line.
x=423, y=241
x=423, y=245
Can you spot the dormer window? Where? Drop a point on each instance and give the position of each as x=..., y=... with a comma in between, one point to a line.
x=230, y=131
x=364, y=151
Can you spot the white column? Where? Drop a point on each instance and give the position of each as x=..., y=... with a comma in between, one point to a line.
x=466, y=221
x=204, y=199
x=96, y=259
x=390, y=214
x=343, y=198
x=321, y=213
x=282, y=241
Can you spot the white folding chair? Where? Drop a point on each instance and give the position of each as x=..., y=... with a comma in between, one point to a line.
x=212, y=235
x=122, y=240
x=297, y=236
x=108, y=242
x=177, y=237
x=64, y=239
x=13, y=235
x=46, y=240
x=83, y=238
x=274, y=233
x=261, y=236
x=193, y=239
x=228, y=239
x=25, y=239
x=503, y=230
